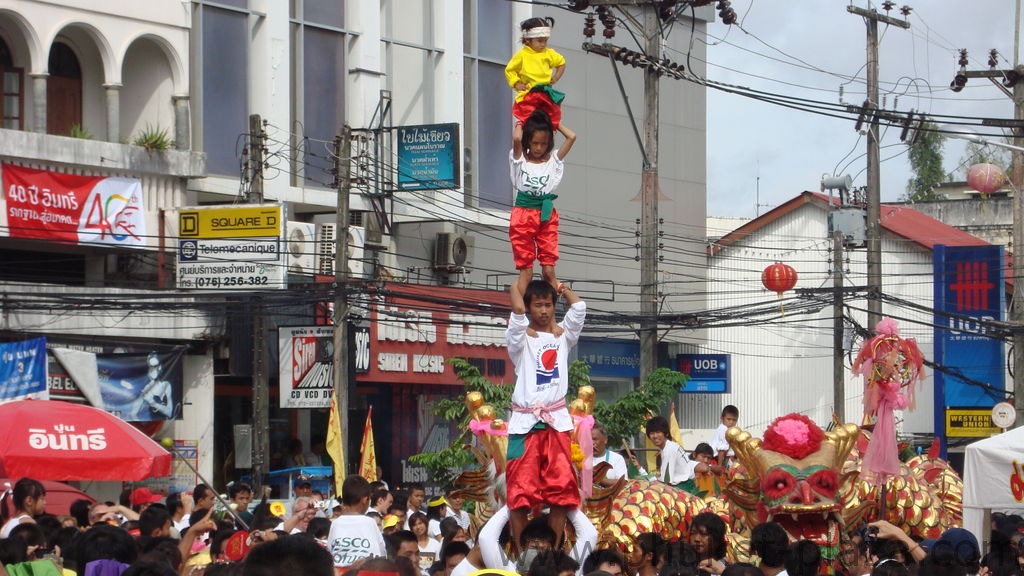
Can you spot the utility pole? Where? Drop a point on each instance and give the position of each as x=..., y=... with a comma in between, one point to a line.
x=260, y=381
x=838, y=368
x=651, y=62
x=1017, y=301
x=649, y=196
x=342, y=153
x=873, y=228
x=1004, y=80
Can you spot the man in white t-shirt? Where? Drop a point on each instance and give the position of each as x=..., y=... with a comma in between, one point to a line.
x=723, y=453
x=354, y=535
x=417, y=495
x=539, y=470
x=603, y=454
x=676, y=467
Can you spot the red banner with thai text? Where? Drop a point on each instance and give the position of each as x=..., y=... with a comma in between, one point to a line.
x=45, y=205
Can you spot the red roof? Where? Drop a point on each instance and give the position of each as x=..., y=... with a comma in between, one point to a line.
x=900, y=220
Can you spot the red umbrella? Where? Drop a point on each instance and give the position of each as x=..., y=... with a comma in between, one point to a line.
x=59, y=496
x=64, y=441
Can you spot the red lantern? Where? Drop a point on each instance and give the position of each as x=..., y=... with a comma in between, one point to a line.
x=986, y=178
x=778, y=278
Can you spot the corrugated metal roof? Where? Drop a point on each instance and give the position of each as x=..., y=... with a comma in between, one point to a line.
x=897, y=219
x=923, y=229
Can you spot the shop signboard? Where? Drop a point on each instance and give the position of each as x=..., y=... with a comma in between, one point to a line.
x=969, y=296
x=428, y=157
x=708, y=373
x=412, y=343
x=306, y=367
x=231, y=248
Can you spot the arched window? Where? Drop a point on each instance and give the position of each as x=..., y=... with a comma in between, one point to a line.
x=12, y=83
x=63, y=91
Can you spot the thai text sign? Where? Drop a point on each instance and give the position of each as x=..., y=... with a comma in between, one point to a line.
x=231, y=248
x=23, y=369
x=969, y=294
x=428, y=157
x=46, y=205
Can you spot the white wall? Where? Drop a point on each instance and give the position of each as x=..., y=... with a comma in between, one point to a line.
x=786, y=366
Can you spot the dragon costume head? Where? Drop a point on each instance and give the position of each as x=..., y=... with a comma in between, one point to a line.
x=792, y=477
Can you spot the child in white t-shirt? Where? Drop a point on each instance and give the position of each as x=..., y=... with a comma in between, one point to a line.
x=730, y=416
x=536, y=170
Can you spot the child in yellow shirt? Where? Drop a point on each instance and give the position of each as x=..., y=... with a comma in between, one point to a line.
x=533, y=71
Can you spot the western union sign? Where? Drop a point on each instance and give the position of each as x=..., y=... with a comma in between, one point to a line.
x=970, y=423
x=230, y=222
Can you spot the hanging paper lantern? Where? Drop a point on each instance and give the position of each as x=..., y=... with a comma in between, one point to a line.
x=778, y=278
x=986, y=178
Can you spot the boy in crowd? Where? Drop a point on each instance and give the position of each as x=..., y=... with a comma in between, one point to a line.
x=676, y=467
x=354, y=535
x=730, y=416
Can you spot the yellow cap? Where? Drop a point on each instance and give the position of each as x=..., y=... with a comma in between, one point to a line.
x=439, y=501
x=389, y=521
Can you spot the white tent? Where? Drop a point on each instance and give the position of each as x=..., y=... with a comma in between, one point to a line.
x=990, y=468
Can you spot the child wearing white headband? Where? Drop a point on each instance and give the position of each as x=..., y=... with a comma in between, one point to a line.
x=533, y=70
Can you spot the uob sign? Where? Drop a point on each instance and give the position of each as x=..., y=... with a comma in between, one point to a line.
x=968, y=296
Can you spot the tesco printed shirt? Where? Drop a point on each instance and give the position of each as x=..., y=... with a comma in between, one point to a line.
x=542, y=367
x=536, y=179
x=353, y=538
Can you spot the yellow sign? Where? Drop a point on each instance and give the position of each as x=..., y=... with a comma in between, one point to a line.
x=230, y=222
x=970, y=423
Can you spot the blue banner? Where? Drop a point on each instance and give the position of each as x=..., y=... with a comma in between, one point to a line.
x=969, y=293
x=428, y=157
x=22, y=368
x=141, y=387
x=608, y=357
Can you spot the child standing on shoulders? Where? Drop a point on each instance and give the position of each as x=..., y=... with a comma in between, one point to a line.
x=730, y=416
x=536, y=172
x=534, y=70
x=540, y=470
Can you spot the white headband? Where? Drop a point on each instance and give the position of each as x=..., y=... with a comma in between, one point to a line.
x=538, y=32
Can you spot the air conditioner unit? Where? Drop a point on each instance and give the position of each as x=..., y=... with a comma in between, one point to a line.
x=301, y=247
x=326, y=249
x=452, y=252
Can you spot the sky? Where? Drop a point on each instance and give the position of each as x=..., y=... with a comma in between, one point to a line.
x=761, y=155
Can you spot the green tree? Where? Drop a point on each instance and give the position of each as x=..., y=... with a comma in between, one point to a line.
x=926, y=162
x=445, y=465
x=622, y=418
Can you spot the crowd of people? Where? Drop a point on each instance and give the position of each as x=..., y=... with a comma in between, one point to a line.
x=376, y=530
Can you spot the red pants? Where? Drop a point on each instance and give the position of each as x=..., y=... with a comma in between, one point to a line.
x=532, y=239
x=533, y=100
x=543, y=473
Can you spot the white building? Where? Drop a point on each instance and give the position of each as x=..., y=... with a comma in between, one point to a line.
x=782, y=361
x=197, y=70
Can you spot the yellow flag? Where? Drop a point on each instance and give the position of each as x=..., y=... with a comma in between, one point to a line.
x=368, y=456
x=333, y=444
x=673, y=426
x=651, y=456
